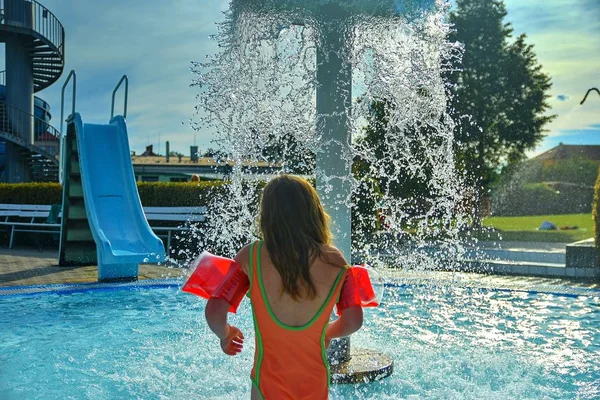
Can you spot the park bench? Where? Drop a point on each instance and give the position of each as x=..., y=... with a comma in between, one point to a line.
x=46, y=219
x=29, y=218
x=166, y=220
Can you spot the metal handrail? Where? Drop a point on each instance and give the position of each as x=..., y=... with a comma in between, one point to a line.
x=112, y=107
x=15, y=121
x=32, y=15
x=73, y=75
x=61, y=160
x=587, y=94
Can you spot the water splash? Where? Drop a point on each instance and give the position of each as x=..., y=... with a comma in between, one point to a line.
x=258, y=95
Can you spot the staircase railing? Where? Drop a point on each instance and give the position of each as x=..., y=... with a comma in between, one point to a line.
x=30, y=14
x=14, y=122
x=112, y=107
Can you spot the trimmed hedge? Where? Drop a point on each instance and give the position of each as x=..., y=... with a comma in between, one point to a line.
x=30, y=193
x=152, y=194
x=178, y=194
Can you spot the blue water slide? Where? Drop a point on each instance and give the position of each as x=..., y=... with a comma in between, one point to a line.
x=122, y=234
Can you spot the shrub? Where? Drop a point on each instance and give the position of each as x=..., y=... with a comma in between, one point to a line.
x=31, y=193
x=178, y=194
x=152, y=194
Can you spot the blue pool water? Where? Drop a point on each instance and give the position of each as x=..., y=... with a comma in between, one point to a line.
x=446, y=342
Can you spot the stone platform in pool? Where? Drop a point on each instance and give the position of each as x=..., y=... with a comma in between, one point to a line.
x=574, y=261
x=31, y=266
x=560, y=260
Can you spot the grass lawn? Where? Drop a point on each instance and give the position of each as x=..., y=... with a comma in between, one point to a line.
x=525, y=228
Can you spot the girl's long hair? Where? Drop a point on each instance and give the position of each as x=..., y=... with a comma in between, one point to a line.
x=294, y=227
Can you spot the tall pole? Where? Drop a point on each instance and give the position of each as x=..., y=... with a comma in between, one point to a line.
x=334, y=101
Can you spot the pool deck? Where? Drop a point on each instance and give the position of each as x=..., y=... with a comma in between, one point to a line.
x=32, y=266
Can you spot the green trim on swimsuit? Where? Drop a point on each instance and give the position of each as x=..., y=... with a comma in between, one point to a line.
x=259, y=341
x=259, y=356
x=324, y=354
x=250, y=270
x=266, y=299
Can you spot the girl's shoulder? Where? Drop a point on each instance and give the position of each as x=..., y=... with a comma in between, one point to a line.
x=333, y=256
x=243, y=257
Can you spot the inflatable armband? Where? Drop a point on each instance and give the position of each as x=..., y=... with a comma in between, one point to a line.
x=363, y=287
x=220, y=277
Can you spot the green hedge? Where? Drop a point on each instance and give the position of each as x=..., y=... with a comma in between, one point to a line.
x=166, y=194
x=152, y=194
x=30, y=193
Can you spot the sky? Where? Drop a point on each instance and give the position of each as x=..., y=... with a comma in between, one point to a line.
x=154, y=43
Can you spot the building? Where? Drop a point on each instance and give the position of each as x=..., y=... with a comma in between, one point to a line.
x=150, y=167
x=564, y=152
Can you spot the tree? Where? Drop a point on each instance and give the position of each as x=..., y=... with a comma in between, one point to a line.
x=218, y=155
x=294, y=156
x=394, y=179
x=499, y=96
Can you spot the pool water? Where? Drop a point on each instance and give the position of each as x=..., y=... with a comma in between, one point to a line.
x=446, y=342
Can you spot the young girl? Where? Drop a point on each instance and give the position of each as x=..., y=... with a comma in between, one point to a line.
x=295, y=278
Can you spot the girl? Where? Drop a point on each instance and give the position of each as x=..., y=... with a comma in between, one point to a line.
x=295, y=278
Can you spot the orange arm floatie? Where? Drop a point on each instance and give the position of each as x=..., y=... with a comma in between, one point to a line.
x=357, y=290
x=220, y=277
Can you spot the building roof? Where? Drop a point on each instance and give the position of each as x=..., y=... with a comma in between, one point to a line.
x=186, y=161
x=570, y=151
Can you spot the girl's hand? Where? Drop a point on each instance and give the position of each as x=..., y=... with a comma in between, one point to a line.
x=233, y=343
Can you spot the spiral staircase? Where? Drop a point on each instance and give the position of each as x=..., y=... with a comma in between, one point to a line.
x=42, y=36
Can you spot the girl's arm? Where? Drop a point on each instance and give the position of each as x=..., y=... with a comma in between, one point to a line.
x=232, y=339
x=350, y=321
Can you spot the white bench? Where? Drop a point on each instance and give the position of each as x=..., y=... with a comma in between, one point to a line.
x=184, y=217
x=33, y=218
x=27, y=218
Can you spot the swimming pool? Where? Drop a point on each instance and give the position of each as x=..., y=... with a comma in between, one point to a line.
x=446, y=342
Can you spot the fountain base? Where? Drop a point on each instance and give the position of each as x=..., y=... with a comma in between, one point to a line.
x=364, y=366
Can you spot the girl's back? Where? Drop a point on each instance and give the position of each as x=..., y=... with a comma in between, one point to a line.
x=323, y=271
x=290, y=360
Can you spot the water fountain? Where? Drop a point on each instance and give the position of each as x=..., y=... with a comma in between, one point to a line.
x=288, y=69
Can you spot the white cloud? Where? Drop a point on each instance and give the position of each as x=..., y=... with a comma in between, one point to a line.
x=153, y=43
x=565, y=34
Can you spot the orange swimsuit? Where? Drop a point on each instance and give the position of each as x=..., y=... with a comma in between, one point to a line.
x=290, y=362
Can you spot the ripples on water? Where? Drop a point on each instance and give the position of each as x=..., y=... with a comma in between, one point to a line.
x=455, y=343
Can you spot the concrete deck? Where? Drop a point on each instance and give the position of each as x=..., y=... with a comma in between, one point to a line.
x=31, y=266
